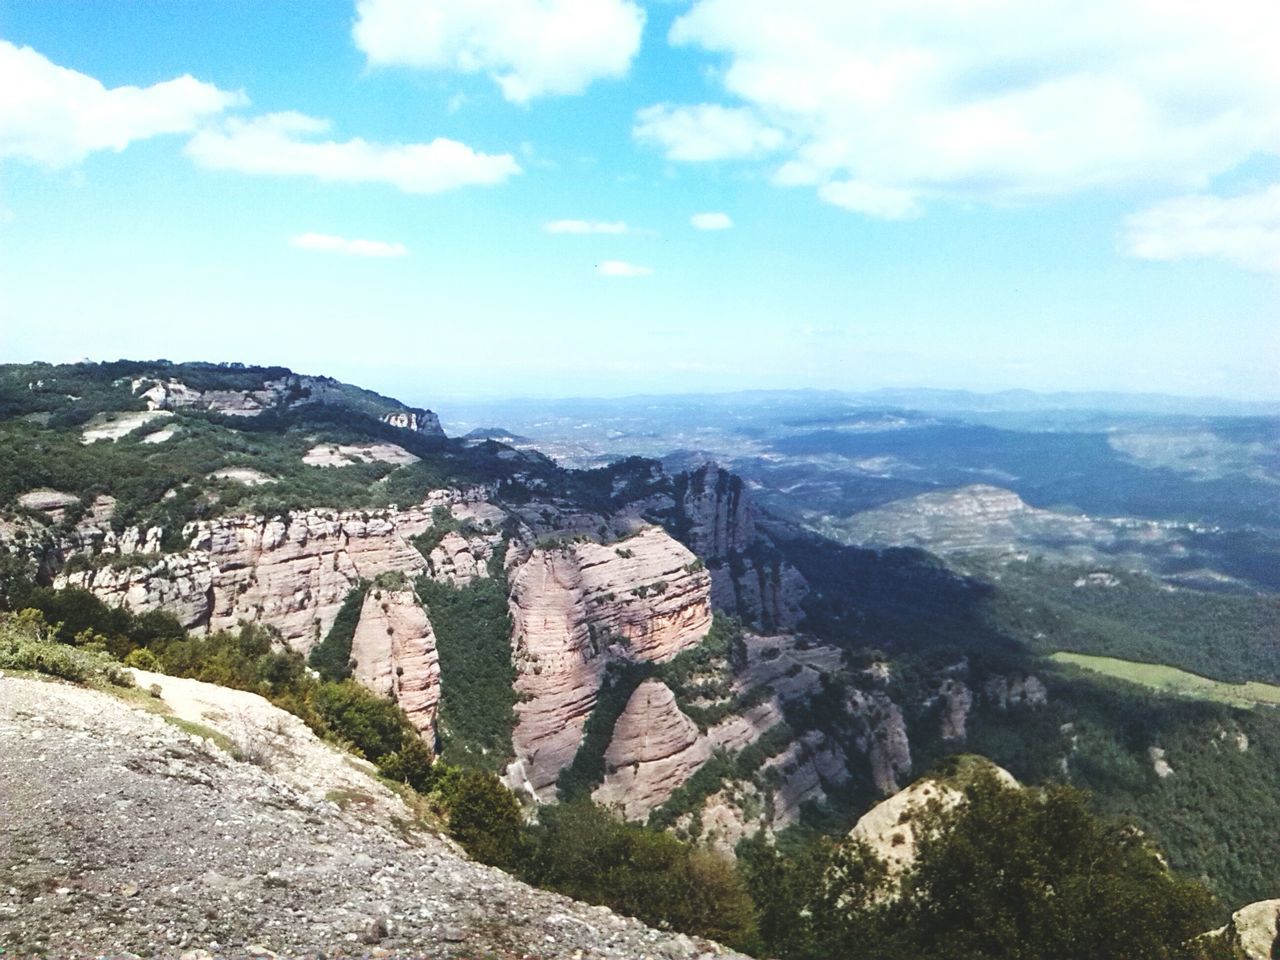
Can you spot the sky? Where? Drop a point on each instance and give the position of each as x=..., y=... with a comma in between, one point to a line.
x=487, y=198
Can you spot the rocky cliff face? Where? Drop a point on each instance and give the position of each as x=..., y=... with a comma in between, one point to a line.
x=749, y=580
x=655, y=748
x=573, y=608
x=394, y=649
x=722, y=518
x=292, y=572
x=417, y=421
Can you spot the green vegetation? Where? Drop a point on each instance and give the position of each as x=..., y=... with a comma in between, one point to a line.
x=1216, y=817
x=1158, y=677
x=27, y=642
x=1223, y=636
x=583, y=852
x=1017, y=874
x=577, y=780
x=477, y=696
x=331, y=657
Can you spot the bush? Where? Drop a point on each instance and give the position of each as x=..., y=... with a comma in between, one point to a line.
x=142, y=659
x=484, y=816
x=372, y=724
x=412, y=764
x=26, y=643
x=582, y=851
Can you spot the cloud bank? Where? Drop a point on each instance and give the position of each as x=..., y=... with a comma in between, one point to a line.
x=1243, y=230
x=55, y=117
x=887, y=105
x=288, y=144
x=354, y=248
x=530, y=48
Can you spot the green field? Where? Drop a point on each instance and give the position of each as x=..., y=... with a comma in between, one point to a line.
x=1165, y=679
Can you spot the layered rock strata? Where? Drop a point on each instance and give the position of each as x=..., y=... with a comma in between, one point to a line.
x=573, y=608
x=293, y=572
x=655, y=748
x=749, y=580
x=394, y=649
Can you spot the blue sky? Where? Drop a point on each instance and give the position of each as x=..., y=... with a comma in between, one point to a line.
x=498, y=197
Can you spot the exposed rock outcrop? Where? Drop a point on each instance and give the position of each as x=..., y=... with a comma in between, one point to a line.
x=575, y=606
x=180, y=583
x=394, y=649
x=292, y=572
x=750, y=579
x=1258, y=927
x=655, y=748
x=345, y=454
x=804, y=770
x=890, y=827
x=957, y=701
x=1005, y=692
x=126, y=835
x=885, y=741
x=721, y=515
x=417, y=421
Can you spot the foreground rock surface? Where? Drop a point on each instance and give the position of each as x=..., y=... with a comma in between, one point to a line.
x=124, y=834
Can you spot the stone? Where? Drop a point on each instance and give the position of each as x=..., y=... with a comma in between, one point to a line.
x=654, y=749
x=574, y=608
x=394, y=648
x=375, y=931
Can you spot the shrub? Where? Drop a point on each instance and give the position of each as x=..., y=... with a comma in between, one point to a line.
x=372, y=724
x=412, y=764
x=26, y=643
x=484, y=816
x=142, y=659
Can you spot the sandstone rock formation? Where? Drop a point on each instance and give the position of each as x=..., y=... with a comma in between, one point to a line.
x=655, y=748
x=885, y=742
x=292, y=572
x=417, y=421
x=1258, y=926
x=721, y=516
x=575, y=606
x=292, y=390
x=345, y=454
x=957, y=701
x=52, y=503
x=394, y=649
x=749, y=580
x=890, y=827
x=1004, y=692
x=804, y=770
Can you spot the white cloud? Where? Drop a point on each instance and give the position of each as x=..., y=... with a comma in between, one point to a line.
x=887, y=203
x=55, y=117
x=355, y=248
x=287, y=144
x=711, y=221
x=706, y=131
x=987, y=100
x=530, y=48
x=620, y=268
x=1243, y=230
x=587, y=226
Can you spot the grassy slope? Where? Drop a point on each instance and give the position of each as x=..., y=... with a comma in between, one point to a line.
x=1156, y=676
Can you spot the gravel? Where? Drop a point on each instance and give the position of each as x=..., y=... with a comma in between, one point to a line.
x=125, y=835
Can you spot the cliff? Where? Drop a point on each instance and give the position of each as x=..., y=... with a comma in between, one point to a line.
x=718, y=520
x=573, y=608
x=292, y=572
x=655, y=748
x=394, y=649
